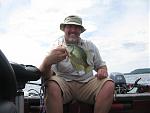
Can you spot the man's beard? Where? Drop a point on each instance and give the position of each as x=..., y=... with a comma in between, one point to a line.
x=72, y=40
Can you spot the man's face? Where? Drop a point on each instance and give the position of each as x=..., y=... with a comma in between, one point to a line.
x=72, y=33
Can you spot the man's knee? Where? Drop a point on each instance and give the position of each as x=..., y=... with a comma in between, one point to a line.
x=53, y=88
x=110, y=85
x=108, y=88
x=106, y=93
x=111, y=88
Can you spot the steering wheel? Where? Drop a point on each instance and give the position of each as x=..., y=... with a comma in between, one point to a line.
x=8, y=87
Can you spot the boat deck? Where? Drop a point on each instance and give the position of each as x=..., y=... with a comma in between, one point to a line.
x=123, y=103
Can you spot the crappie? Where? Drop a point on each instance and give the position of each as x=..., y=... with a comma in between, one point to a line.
x=78, y=58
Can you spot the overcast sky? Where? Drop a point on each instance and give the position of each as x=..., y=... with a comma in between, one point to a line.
x=119, y=28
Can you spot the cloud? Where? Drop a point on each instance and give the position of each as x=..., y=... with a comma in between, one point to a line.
x=31, y=28
x=20, y=49
x=122, y=34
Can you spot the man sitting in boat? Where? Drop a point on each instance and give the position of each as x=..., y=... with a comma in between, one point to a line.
x=73, y=62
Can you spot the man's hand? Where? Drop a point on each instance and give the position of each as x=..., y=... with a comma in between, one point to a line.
x=57, y=55
x=102, y=73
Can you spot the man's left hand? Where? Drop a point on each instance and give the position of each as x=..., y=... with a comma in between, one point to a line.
x=102, y=73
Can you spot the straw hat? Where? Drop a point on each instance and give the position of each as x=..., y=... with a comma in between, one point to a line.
x=75, y=20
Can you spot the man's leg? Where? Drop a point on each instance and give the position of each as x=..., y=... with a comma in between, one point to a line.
x=54, y=101
x=104, y=98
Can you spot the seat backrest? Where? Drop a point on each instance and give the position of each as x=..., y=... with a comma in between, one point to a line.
x=8, y=87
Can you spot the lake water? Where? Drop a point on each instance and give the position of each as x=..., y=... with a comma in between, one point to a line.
x=145, y=78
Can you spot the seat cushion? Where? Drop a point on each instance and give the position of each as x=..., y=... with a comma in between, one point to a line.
x=7, y=107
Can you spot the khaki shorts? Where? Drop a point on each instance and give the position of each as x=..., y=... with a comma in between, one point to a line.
x=83, y=92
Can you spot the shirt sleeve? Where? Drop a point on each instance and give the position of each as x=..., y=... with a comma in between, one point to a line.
x=97, y=59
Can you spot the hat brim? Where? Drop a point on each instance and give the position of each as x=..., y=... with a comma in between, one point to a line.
x=71, y=23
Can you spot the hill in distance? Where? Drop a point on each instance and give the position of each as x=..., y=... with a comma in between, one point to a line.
x=139, y=71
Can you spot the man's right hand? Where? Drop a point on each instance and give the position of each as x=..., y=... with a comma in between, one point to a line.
x=56, y=55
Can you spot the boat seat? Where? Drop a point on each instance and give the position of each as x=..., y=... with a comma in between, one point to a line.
x=8, y=88
x=7, y=107
x=78, y=107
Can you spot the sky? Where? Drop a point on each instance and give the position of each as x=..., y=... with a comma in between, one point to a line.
x=119, y=28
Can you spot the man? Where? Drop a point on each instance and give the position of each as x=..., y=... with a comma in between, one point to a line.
x=69, y=83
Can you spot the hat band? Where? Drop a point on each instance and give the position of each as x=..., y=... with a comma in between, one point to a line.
x=73, y=20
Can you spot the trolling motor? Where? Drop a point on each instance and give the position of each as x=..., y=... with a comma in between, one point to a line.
x=13, y=78
x=24, y=73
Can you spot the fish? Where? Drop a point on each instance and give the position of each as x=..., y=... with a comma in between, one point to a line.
x=78, y=58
